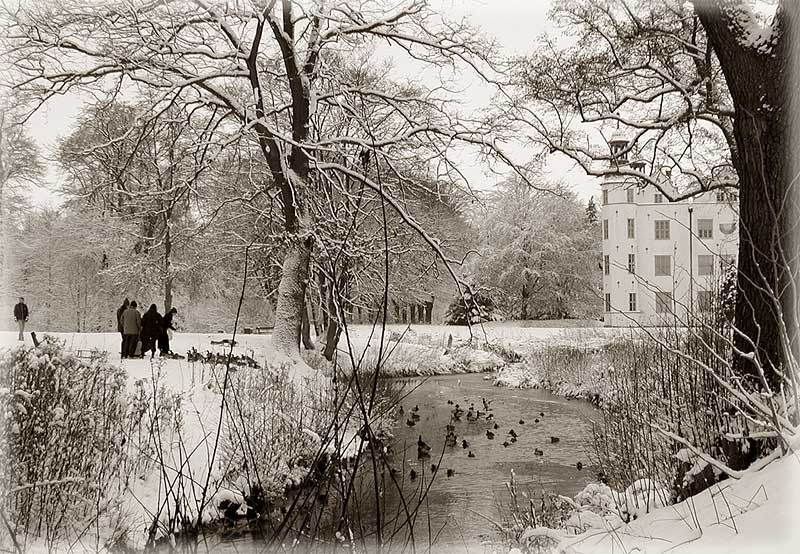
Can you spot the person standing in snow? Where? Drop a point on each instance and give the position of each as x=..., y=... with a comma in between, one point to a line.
x=120, y=311
x=166, y=331
x=152, y=324
x=131, y=327
x=21, y=316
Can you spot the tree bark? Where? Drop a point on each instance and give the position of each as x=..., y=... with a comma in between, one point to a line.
x=315, y=317
x=333, y=330
x=167, y=262
x=291, y=294
x=524, y=307
x=760, y=84
x=305, y=329
x=331, y=338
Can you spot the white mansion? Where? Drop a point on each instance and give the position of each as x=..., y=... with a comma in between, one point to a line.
x=661, y=259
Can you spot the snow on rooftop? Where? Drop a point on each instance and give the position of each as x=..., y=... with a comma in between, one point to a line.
x=618, y=135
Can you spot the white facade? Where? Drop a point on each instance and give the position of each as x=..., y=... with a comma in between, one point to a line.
x=654, y=268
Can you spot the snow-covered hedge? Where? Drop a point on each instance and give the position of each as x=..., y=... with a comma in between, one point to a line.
x=566, y=370
x=63, y=440
x=409, y=354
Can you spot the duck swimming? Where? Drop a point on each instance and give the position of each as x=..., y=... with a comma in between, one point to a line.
x=423, y=449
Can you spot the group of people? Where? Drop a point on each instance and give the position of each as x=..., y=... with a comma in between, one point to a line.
x=152, y=329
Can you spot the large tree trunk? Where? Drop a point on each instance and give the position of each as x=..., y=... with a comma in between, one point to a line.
x=291, y=295
x=760, y=83
x=763, y=274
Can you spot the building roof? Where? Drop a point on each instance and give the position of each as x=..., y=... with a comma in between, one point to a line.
x=619, y=136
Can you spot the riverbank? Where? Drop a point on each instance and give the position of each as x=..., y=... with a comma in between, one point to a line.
x=443, y=349
x=756, y=511
x=173, y=443
x=187, y=464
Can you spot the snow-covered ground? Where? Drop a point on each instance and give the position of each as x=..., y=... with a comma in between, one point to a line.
x=422, y=346
x=757, y=513
x=184, y=466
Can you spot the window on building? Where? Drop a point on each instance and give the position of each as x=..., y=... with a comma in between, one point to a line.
x=631, y=263
x=631, y=229
x=720, y=196
x=658, y=198
x=662, y=229
x=705, y=228
x=704, y=300
x=663, y=265
x=630, y=195
x=663, y=302
x=608, y=301
x=705, y=264
x=605, y=229
x=606, y=264
x=605, y=197
x=632, y=302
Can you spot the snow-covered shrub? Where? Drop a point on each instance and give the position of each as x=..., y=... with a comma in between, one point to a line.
x=694, y=474
x=663, y=386
x=271, y=435
x=412, y=356
x=540, y=526
x=566, y=370
x=471, y=307
x=63, y=439
x=278, y=445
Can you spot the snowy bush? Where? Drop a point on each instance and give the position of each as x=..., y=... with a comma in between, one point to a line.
x=471, y=307
x=63, y=438
x=566, y=370
x=271, y=435
x=661, y=386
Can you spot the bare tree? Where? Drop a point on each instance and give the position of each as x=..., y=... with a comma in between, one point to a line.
x=148, y=176
x=700, y=91
x=269, y=68
x=20, y=166
x=20, y=162
x=538, y=253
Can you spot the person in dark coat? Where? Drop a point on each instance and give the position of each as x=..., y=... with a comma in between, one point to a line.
x=131, y=327
x=166, y=327
x=152, y=324
x=21, y=316
x=120, y=311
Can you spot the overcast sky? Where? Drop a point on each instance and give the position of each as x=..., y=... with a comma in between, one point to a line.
x=514, y=23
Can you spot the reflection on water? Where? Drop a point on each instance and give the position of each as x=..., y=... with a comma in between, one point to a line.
x=463, y=503
x=468, y=494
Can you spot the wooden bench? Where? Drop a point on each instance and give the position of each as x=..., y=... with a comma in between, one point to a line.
x=264, y=330
x=91, y=355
